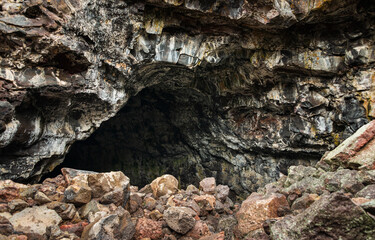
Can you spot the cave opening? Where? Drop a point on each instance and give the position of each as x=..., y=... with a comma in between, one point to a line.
x=150, y=136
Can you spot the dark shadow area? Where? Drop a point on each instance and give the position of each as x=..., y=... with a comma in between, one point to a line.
x=144, y=139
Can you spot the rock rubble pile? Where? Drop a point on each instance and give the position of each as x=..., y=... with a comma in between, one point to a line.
x=309, y=203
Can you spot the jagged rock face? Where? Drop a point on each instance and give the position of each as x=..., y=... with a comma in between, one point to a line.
x=238, y=90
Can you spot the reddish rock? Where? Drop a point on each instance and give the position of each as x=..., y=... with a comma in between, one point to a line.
x=147, y=228
x=257, y=208
x=217, y=236
x=355, y=152
x=208, y=185
x=359, y=201
x=77, y=228
x=8, y=194
x=199, y=230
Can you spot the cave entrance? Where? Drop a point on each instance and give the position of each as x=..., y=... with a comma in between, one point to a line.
x=148, y=137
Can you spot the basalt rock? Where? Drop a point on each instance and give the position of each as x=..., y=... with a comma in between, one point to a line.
x=236, y=90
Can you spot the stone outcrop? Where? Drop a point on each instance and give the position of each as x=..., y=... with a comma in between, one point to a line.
x=236, y=90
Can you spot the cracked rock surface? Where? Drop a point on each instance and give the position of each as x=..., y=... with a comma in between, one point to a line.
x=237, y=90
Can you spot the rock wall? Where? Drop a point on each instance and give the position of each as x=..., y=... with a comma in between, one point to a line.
x=243, y=89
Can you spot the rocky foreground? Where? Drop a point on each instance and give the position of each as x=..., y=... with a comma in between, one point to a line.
x=333, y=200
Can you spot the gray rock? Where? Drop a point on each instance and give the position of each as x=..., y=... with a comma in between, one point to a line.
x=180, y=219
x=367, y=192
x=334, y=215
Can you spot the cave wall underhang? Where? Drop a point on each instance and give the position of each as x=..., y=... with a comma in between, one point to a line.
x=239, y=92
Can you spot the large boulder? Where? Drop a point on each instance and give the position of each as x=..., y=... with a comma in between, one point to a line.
x=35, y=220
x=164, y=185
x=257, y=208
x=180, y=219
x=109, y=187
x=356, y=152
x=333, y=216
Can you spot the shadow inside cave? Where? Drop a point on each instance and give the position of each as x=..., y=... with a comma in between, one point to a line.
x=147, y=138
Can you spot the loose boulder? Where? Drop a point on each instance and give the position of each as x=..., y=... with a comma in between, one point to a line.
x=164, y=185
x=356, y=152
x=258, y=208
x=180, y=219
x=35, y=220
x=333, y=215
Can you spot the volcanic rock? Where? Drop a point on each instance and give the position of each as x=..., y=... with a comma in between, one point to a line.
x=35, y=220
x=322, y=219
x=180, y=219
x=164, y=185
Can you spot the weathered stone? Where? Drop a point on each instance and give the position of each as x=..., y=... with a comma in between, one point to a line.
x=134, y=203
x=76, y=228
x=41, y=198
x=304, y=202
x=355, y=152
x=92, y=207
x=6, y=228
x=360, y=200
x=78, y=194
x=367, y=192
x=205, y=202
x=258, y=208
x=208, y=185
x=199, y=230
x=216, y=236
x=227, y=224
x=369, y=206
x=164, y=185
x=149, y=203
x=147, y=228
x=127, y=227
x=192, y=189
x=65, y=210
x=35, y=220
x=156, y=215
x=102, y=183
x=104, y=228
x=117, y=196
x=323, y=218
x=17, y=205
x=180, y=219
x=222, y=192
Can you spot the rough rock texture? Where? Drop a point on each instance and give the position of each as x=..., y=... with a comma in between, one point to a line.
x=322, y=221
x=35, y=220
x=236, y=90
x=355, y=152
